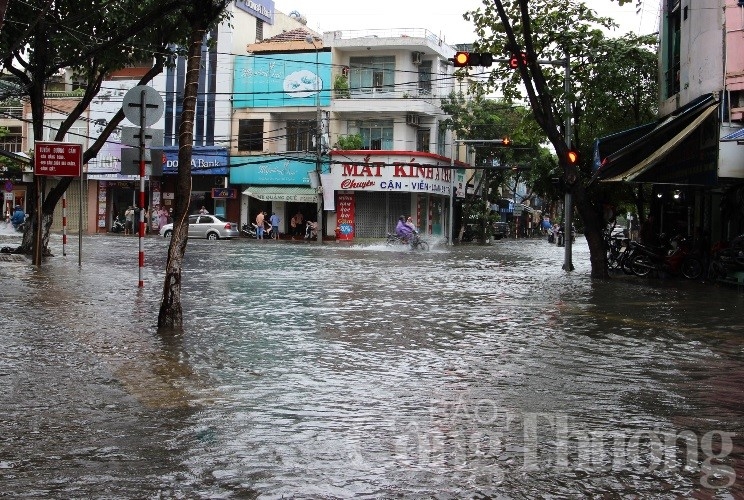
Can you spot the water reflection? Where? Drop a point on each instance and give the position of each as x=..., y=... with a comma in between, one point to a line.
x=365, y=372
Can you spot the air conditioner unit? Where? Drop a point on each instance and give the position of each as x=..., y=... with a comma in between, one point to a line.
x=412, y=119
x=416, y=57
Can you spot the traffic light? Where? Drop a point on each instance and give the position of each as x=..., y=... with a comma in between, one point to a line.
x=572, y=157
x=463, y=59
x=506, y=141
x=514, y=60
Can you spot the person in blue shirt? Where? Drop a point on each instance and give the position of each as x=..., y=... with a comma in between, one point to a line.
x=18, y=217
x=403, y=230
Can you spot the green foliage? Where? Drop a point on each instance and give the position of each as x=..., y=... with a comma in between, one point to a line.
x=350, y=142
x=613, y=80
x=341, y=86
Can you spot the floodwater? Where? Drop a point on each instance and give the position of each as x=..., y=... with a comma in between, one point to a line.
x=365, y=372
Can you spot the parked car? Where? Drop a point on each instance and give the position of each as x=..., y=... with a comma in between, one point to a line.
x=211, y=227
x=500, y=230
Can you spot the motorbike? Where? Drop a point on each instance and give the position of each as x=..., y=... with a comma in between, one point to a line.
x=117, y=226
x=673, y=256
x=560, y=236
x=727, y=260
x=249, y=230
x=415, y=242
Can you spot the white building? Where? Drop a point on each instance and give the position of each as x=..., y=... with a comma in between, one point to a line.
x=384, y=87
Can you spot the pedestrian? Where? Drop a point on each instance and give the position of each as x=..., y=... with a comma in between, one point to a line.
x=260, y=226
x=162, y=217
x=299, y=222
x=275, y=219
x=137, y=212
x=129, y=216
x=203, y=210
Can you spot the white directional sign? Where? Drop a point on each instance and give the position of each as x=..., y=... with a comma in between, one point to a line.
x=143, y=99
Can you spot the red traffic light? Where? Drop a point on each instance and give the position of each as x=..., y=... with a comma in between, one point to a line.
x=572, y=157
x=514, y=60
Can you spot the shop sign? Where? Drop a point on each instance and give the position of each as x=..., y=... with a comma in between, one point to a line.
x=395, y=177
x=345, y=216
x=225, y=193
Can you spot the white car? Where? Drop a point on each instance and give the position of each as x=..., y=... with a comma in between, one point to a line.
x=211, y=227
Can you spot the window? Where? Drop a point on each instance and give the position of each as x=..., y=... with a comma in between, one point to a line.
x=372, y=73
x=672, y=59
x=377, y=135
x=250, y=135
x=300, y=135
x=424, y=77
x=11, y=139
x=441, y=140
x=422, y=140
x=259, y=30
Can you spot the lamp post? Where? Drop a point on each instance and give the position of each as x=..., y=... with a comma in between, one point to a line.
x=318, y=136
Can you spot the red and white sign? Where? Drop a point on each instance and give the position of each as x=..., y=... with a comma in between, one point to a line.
x=391, y=171
x=58, y=159
x=345, y=213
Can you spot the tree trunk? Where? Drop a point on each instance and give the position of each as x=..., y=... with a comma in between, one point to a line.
x=170, y=317
x=594, y=225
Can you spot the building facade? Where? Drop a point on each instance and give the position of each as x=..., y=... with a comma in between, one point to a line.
x=691, y=155
x=300, y=102
x=113, y=191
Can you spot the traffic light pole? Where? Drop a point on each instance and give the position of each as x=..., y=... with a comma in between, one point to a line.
x=463, y=59
x=568, y=202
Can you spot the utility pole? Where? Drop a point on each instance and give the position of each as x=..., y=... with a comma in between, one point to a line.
x=568, y=201
x=318, y=139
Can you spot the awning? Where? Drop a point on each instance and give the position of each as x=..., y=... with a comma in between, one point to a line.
x=651, y=145
x=737, y=136
x=296, y=194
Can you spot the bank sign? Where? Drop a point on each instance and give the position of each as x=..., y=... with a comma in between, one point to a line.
x=262, y=9
x=405, y=173
x=205, y=160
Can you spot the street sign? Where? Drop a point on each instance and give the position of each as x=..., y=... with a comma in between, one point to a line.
x=230, y=193
x=58, y=159
x=141, y=98
x=130, y=136
x=130, y=162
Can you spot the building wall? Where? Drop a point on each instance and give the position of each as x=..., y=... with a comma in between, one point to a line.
x=701, y=51
x=735, y=57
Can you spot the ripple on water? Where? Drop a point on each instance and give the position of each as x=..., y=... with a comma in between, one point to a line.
x=359, y=371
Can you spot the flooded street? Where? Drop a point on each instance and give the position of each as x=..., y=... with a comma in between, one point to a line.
x=365, y=372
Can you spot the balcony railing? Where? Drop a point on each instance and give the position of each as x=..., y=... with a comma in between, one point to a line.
x=389, y=33
x=11, y=112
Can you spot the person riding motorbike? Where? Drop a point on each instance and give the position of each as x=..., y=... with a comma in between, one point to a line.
x=18, y=217
x=403, y=230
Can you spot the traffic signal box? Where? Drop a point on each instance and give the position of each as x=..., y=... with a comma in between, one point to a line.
x=463, y=59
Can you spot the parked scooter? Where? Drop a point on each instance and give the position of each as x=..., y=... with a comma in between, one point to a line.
x=727, y=260
x=673, y=256
x=249, y=230
x=117, y=226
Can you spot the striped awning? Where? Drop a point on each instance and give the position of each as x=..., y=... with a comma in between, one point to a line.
x=737, y=135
